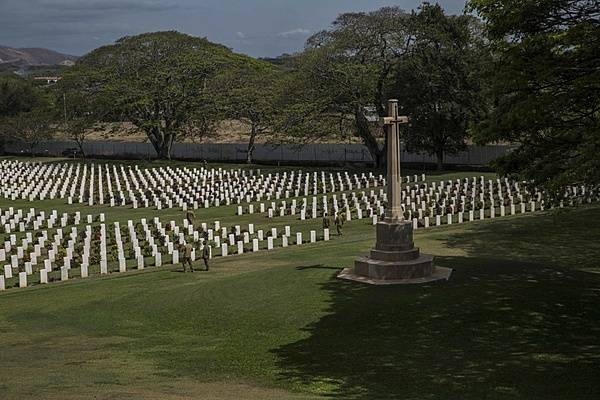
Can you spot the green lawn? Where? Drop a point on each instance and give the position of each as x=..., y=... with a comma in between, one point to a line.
x=520, y=318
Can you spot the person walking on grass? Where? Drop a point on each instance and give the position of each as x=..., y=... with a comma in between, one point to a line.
x=186, y=259
x=326, y=221
x=189, y=215
x=206, y=254
x=339, y=223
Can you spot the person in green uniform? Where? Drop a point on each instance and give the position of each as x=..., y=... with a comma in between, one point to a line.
x=326, y=221
x=186, y=256
x=339, y=223
x=206, y=254
x=189, y=215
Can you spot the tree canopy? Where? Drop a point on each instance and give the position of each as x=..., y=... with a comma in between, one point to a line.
x=252, y=93
x=438, y=83
x=26, y=112
x=545, y=88
x=344, y=72
x=162, y=82
x=428, y=60
x=16, y=95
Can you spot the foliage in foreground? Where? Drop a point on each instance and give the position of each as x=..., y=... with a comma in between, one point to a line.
x=546, y=88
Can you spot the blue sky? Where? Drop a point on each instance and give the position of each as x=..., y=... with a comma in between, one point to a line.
x=261, y=28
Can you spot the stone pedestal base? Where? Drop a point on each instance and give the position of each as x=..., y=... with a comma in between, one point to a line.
x=439, y=274
x=395, y=260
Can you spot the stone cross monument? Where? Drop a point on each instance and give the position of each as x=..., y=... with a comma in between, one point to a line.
x=394, y=259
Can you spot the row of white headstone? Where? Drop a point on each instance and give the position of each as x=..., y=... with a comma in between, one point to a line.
x=50, y=262
x=17, y=221
x=424, y=200
x=167, y=187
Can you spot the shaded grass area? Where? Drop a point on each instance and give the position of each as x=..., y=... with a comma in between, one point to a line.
x=515, y=321
x=520, y=318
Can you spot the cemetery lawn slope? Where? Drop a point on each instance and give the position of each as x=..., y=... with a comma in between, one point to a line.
x=520, y=318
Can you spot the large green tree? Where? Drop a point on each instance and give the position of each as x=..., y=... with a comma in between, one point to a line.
x=546, y=88
x=32, y=127
x=16, y=95
x=26, y=112
x=162, y=82
x=83, y=107
x=343, y=73
x=251, y=96
x=438, y=81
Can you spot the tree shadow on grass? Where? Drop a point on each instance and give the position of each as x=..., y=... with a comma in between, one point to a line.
x=498, y=329
x=315, y=266
x=563, y=239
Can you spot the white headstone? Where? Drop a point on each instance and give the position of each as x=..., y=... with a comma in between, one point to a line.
x=43, y=276
x=224, y=250
x=22, y=279
x=122, y=264
x=64, y=273
x=84, y=270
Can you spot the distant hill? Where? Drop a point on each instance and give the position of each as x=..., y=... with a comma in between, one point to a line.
x=31, y=57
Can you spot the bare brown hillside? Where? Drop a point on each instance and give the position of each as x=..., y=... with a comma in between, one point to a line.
x=231, y=131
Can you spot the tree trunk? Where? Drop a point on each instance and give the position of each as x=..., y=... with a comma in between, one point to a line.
x=251, y=145
x=439, y=154
x=161, y=141
x=80, y=145
x=362, y=127
x=170, y=140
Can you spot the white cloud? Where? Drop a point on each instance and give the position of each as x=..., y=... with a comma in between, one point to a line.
x=241, y=35
x=295, y=32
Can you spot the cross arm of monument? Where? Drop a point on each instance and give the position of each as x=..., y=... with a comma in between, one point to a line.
x=395, y=120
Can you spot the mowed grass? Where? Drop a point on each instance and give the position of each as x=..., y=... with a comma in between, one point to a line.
x=519, y=318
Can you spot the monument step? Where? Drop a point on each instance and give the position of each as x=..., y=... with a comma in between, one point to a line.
x=404, y=255
x=410, y=269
